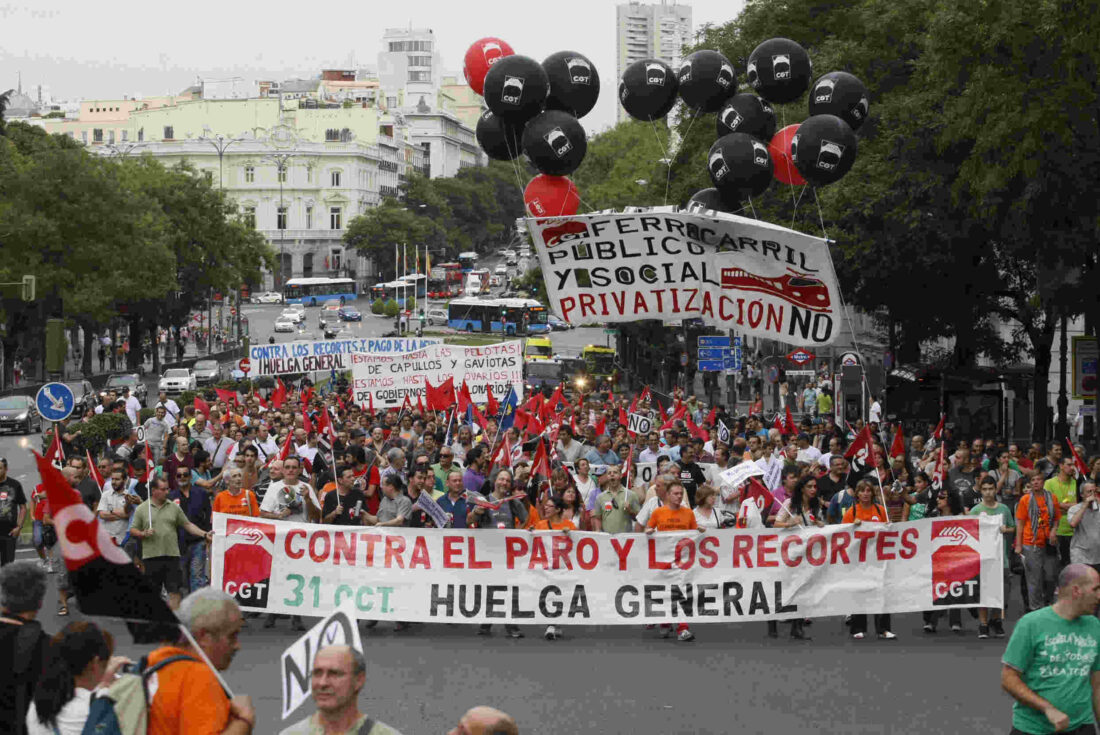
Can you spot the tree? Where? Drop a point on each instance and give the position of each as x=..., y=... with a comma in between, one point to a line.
x=5, y=99
x=380, y=232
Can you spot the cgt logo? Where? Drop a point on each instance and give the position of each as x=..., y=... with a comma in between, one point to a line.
x=859, y=112
x=725, y=76
x=558, y=142
x=760, y=155
x=580, y=71
x=781, y=67
x=685, y=71
x=568, y=230
x=753, y=75
x=717, y=166
x=731, y=118
x=828, y=157
x=492, y=52
x=624, y=93
x=823, y=92
x=956, y=564
x=512, y=91
x=655, y=74
x=250, y=549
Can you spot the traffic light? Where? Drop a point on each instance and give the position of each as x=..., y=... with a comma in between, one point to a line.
x=28, y=288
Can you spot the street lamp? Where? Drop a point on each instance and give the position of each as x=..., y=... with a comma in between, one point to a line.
x=221, y=144
x=281, y=161
x=123, y=148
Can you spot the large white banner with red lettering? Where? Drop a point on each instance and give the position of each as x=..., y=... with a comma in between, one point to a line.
x=485, y=576
x=729, y=271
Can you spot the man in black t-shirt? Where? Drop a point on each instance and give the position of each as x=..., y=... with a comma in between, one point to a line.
x=22, y=642
x=832, y=483
x=13, y=510
x=345, y=506
x=85, y=485
x=691, y=474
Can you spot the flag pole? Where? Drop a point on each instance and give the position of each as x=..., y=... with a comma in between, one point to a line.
x=202, y=654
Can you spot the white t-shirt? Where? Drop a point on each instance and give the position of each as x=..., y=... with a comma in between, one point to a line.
x=278, y=498
x=586, y=488
x=707, y=518
x=133, y=408
x=219, y=450
x=647, y=510
x=809, y=455
x=113, y=502
x=172, y=412
x=876, y=413
x=70, y=720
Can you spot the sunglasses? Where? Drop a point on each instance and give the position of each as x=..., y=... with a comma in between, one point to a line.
x=184, y=474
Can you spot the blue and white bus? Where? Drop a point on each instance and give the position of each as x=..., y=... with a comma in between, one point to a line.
x=412, y=285
x=498, y=316
x=315, y=291
x=468, y=261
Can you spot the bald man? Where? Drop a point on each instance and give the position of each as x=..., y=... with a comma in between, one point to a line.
x=337, y=678
x=1052, y=663
x=485, y=721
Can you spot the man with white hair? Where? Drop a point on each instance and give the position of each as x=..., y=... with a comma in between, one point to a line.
x=186, y=695
x=337, y=678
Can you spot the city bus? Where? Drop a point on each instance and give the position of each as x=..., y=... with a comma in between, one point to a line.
x=415, y=286
x=500, y=316
x=314, y=291
x=467, y=261
x=445, y=280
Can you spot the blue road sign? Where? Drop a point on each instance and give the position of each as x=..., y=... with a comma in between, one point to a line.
x=710, y=366
x=55, y=401
x=712, y=353
x=714, y=342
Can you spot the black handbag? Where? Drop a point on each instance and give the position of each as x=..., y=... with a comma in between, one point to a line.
x=49, y=536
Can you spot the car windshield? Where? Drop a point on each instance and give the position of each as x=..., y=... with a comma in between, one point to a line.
x=206, y=365
x=121, y=380
x=9, y=402
x=175, y=373
x=544, y=370
x=77, y=388
x=541, y=350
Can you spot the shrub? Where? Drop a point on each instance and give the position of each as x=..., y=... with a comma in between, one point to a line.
x=144, y=415
x=95, y=433
x=410, y=303
x=187, y=398
x=391, y=308
x=378, y=306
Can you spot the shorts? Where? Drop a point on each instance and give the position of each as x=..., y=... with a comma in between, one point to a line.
x=36, y=534
x=165, y=571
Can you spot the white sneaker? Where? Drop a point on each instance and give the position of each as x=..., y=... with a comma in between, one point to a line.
x=686, y=635
x=551, y=633
x=857, y=636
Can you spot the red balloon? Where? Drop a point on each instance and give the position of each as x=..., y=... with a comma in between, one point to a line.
x=480, y=56
x=551, y=196
x=780, y=148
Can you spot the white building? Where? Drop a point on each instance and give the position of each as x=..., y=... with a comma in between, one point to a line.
x=409, y=67
x=650, y=30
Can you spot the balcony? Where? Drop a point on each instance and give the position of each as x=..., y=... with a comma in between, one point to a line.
x=325, y=234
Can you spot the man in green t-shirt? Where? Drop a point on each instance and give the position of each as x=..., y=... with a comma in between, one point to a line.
x=616, y=507
x=1063, y=486
x=1052, y=664
x=990, y=507
x=157, y=523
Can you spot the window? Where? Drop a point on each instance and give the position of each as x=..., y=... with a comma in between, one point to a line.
x=141, y=134
x=84, y=136
x=334, y=261
x=332, y=135
x=111, y=137
x=391, y=102
x=280, y=219
x=309, y=216
x=169, y=134
x=420, y=61
x=97, y=135
x=249, y=174
x=250, y=217
x=282, y=174
x=307, y=265
x=334, y=219
x=335, y=184
x=420, y=76
x=309, y=174
x=125, y=135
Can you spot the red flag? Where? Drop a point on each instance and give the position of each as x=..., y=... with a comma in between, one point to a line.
x=624, y=420
x=464, y=398
x=307, y=395
x=287, y=446
x=202, y=406
x=278, y=396
x=779, y=425
x=540, y=464
x=711, y=416
x=94, y=470
x=755, y=491
x=938, y=471
x=420, y=404
x=150, y=466
x=261, y=401
x=324, y=425
x=573, y=424
x=610, y=397
x=1082, y=468
x=791, y=427
x=55, y=455
x=897, y=447
x=534, y=425
x=678, y=414
x=442, y=397
x=660, y=411
x=226, y=395
x=601, y=426
x=370, y=397
x=938, y=433
x=860, y=450
x=697, y=431
x=558, y=396
x=492, y=405
x=105, y=580
x=306, y=423
x=502, y=456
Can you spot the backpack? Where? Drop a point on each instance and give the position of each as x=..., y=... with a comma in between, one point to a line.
x=123, y=708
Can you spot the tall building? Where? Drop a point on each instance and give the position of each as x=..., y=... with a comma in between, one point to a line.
x=409, y=67
x=650, y=30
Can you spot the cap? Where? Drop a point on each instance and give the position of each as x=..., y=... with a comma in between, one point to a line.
x=803, y=437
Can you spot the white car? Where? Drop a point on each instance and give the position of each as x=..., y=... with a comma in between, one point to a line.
x=294, y=315
x=267, y=297
x=437, y=317
x=501, y=270
x=285, y=324
x=177, y=380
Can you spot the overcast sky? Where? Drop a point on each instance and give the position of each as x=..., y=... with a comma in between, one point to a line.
x=126, y=47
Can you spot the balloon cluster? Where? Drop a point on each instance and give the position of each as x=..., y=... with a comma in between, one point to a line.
x=749, y=153
x=534, y=110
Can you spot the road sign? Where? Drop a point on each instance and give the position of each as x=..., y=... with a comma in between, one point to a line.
x=140, y=434
x=55, y=401
x=244, y=365
x=712, y=353
x=737, y=356
x=849, y=359
x=714, y=342
x=710, y=366
x=801, y=357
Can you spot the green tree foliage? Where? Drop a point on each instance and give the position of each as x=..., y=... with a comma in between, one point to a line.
x=377, y=306
x=391, y=308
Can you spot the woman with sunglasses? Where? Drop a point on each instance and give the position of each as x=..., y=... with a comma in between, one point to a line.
x=803, y=510
x=948, y=503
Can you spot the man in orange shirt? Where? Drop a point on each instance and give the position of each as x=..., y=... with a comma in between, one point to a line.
x=186, y=695
x=1037, y=516
x=674, y=516
x=235, y=500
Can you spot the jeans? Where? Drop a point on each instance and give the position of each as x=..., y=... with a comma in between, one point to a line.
x=1063, y=551
x=954, y=616
x=193, y=563
x=1041, y=573
x=859, y=623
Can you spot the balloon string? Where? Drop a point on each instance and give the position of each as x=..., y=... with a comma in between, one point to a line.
x=680, y=147
x=664, y=148
x=787, y=163
x=752, y=208
x=512, y=160
x=820, y=217
x=797, y=202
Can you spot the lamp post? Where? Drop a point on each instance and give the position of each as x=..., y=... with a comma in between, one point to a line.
x=221, y=144
x=123, y=148
x=281, y=161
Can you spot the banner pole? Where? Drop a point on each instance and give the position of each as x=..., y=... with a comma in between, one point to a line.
x=202, y=654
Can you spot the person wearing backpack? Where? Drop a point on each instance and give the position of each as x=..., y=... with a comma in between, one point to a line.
x=22, y=642
x=78, y=661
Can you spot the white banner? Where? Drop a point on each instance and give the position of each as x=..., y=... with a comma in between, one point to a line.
x=765, y=280
x=326, y=355
x=486, y=576
x=338, y=629
x=389, y=378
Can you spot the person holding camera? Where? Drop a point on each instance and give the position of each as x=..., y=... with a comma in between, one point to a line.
x=1084, y=519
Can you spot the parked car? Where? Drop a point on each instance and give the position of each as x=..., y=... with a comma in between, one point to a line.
x=297, y=311
x=496, y=281
x=177, y=380
x=267, y=297
x=436, y=317
x=285, y=324
x=558, y=325
x=126, y=380
x=501, y=270
x=84, y=395
x=206, y=372
x=19, y=413
x=350, y=314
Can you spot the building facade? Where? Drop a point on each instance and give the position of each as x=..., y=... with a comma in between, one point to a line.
x=409, y=67
x=650, y=30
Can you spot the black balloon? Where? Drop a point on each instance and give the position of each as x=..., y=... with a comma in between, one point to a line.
x=647, y=90
x=714, y=199
x=779, y=70
x=499, y=140
x=555, y=142
x=574, y=83
x=515, y=88
x=740, y=166
x=706, y=80
x=746, y=113
x=842, y=94
x=823, y=149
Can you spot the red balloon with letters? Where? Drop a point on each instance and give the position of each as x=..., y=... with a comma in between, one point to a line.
x=551, y=196
x=780, y=148
x=482, y=54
